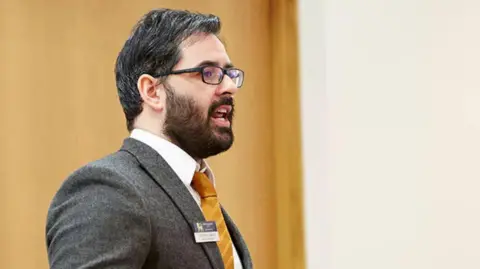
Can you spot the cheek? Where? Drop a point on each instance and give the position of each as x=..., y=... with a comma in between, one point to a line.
x=205, y=106
x=204, y=99
x=200, y=105
x=202, y=94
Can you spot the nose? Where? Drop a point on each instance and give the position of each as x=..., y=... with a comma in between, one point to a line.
x=227, y=87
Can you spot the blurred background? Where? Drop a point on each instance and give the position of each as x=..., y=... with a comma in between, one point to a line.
x=59, y=110
x=357, y=130
x=390, y=101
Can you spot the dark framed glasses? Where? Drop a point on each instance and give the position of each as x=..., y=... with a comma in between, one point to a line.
x=213, y=75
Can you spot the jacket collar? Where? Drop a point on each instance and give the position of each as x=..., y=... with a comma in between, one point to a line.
x=166, y=178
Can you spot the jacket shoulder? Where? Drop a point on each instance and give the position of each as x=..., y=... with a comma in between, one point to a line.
x=94, y=208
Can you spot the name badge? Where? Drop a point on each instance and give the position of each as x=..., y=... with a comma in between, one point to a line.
x=206, y=232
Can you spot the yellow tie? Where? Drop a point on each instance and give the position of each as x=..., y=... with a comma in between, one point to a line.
x=212, y=212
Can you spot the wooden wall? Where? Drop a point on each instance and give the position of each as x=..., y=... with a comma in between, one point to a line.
x=59, y=110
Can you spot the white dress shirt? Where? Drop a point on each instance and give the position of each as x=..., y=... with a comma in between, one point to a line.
x=183, y=165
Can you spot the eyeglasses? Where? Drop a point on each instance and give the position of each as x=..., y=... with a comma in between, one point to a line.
x=213, y=75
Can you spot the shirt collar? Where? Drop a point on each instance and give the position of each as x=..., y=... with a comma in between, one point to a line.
x=181, y=163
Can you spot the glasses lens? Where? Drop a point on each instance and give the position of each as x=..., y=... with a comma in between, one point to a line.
x=212, y=74
x=236, y=75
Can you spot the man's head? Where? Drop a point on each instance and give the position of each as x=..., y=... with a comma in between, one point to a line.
x=175, y=79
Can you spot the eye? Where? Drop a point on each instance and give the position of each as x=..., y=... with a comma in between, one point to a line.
x=212, y=74
x=208, y=73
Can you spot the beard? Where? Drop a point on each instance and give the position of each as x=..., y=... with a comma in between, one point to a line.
x=188, y=127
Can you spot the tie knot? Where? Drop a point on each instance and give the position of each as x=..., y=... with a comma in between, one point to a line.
x=203, y=185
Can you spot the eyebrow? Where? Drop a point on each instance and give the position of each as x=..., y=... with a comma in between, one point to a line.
x=204, y=63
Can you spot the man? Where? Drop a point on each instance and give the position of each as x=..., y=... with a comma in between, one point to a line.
x=153, y=204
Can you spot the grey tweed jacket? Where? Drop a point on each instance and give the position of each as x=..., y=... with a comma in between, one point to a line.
x=130, y=210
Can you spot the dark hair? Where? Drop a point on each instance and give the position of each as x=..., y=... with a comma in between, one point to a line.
x=154, y=47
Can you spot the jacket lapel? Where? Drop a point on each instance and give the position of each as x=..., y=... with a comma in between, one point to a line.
x=163, y=174
x=238, y=241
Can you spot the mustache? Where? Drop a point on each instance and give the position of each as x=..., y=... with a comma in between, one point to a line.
x=222, y=101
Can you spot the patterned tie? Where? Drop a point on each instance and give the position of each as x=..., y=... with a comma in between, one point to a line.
x=212, y=212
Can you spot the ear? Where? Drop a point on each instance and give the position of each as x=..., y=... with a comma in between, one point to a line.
x=149, y=91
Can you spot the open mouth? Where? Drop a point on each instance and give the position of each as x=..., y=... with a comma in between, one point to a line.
x=221, y=115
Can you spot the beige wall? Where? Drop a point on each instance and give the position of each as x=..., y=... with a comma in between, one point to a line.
x=397, y=94
x=59, y=110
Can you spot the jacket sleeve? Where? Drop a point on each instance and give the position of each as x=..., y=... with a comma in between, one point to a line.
x=97, y=220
